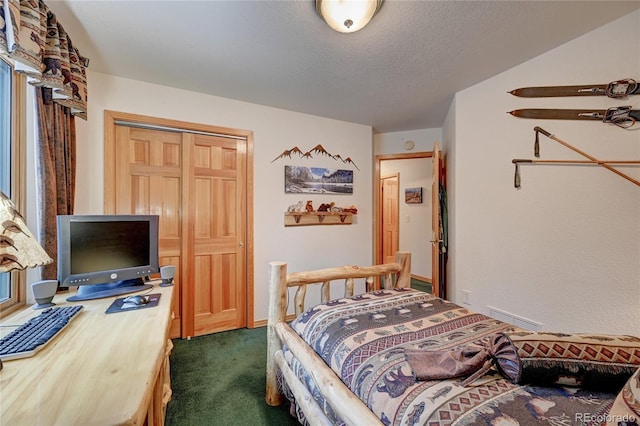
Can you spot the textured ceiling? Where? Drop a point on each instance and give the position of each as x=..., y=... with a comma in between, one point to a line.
x=398, y=73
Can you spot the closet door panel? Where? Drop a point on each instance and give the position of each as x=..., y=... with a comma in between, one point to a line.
x=218, y=220
x=148, y=181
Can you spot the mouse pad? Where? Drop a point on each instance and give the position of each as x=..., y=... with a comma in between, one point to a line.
x=119, y=305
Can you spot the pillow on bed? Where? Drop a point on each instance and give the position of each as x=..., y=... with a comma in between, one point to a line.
x=604, y=362
x=626, y=407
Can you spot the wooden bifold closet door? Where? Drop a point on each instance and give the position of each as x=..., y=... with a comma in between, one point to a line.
x=197, y=184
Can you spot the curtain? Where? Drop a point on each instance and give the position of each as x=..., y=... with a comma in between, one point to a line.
x=37, y=44
x=56, y=165
x=32, y=37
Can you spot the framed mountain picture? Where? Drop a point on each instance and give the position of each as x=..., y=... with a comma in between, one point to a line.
x=317, y=180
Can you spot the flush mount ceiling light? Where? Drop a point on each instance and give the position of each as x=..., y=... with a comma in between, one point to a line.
x=347, y=16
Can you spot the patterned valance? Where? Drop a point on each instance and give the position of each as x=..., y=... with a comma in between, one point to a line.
x=31, y=35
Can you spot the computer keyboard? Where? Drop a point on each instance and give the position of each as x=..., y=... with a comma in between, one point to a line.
x=33, y=335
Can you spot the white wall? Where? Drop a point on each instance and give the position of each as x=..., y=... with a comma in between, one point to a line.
x=565, y=249
x=275, y=130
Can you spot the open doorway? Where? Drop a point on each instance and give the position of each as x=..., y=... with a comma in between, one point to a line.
x=404, y=211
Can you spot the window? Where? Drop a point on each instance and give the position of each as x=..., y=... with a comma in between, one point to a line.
x=5, y=127
x=5, y=155
x=11, y=159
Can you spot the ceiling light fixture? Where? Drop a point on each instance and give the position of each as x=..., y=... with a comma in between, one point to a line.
x=347, y=16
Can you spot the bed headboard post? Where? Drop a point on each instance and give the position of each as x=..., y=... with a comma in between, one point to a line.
x=404, y=276
x=277, y=313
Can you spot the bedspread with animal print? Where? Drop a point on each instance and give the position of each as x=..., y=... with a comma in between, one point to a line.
x=364, y=338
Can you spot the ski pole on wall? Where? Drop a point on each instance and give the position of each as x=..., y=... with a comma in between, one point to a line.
x=591, y=160
x=518, y=161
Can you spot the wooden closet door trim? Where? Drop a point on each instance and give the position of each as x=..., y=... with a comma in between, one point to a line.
x=249, y=229
x=188, y=263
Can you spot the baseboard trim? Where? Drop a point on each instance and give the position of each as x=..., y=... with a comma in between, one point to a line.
x=421, y=278
x=263, y=323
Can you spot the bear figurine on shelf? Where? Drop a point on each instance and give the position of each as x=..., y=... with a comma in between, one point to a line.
x=309, y=206
x=326, y=207
x=351, y=209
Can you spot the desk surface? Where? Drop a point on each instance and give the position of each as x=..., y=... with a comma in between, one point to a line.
x=99, y=370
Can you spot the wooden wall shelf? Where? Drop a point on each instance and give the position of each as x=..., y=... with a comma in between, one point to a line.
x=317, y=218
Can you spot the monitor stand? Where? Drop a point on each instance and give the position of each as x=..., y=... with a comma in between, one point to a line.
x=99, y=291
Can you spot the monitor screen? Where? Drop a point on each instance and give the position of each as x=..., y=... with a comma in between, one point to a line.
x=108, y=250
x=102, y=246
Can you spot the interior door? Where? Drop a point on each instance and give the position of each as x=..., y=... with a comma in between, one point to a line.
x=390, y=222
x=216, y=235
x=436, y=224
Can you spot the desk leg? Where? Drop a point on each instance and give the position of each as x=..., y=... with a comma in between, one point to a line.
x=161, y=391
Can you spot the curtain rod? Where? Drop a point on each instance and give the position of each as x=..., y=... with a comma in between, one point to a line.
x=174, y=129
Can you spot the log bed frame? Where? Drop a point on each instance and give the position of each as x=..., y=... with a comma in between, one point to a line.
x=346, y=405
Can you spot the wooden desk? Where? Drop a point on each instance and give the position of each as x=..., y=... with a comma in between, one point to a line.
x=100, y=370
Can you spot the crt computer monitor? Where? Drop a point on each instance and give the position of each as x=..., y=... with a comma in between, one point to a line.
x=106, y=255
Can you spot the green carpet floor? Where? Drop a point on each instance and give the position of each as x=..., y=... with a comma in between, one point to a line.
x=219, y=379
x=421, y=285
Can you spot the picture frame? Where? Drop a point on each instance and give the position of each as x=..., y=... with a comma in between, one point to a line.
x=317, y=180
x=413, y=195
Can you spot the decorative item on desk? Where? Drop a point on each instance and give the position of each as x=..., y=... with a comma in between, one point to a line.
x=19, y=249
x=167, y=273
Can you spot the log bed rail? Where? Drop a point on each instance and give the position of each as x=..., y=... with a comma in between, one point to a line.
x=336, y=393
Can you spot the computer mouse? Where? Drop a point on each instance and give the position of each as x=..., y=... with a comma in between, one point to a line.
x=137, y=300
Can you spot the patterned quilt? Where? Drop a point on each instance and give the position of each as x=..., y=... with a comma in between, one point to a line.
x=364, y=338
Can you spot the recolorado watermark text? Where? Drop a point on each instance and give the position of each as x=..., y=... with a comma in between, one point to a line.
x=584, y=418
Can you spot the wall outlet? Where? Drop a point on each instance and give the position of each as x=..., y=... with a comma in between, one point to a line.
x=466, y=297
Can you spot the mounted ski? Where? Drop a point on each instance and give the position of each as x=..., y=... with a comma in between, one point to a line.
x=624, y=116
x=616, y=89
